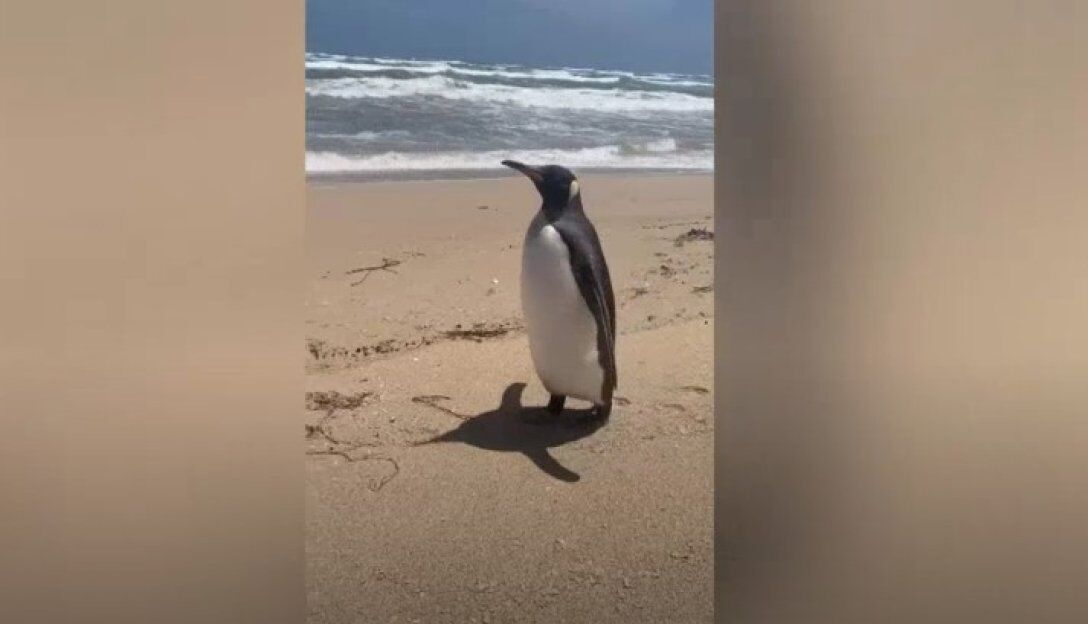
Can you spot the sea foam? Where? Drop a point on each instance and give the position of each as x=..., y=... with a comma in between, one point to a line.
x=385, y=115
x=543, y=97
x=604, y=157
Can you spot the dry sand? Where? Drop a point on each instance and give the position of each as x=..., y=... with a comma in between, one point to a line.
x=432, y=495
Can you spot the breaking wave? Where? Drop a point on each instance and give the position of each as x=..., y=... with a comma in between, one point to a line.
x=380, y=114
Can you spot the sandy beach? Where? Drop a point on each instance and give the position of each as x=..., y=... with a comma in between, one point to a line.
x=433, y=492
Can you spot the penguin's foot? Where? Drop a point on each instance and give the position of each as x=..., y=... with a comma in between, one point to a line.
x=550, y=414
x=555, y=405
x=599, y=415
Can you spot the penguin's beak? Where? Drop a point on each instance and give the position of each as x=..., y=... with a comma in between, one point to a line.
x=531, y=172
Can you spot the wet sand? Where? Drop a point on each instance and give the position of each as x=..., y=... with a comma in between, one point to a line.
x=434, y=494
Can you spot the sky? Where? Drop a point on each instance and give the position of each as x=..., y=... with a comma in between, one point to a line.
x=636, y=35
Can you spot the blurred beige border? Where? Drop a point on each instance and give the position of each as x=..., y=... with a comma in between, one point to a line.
x=902, y=263
x=151, y=218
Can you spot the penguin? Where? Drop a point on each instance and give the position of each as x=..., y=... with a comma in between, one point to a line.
x=566, y=295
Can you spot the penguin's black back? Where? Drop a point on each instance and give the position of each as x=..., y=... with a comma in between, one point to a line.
x=591, y=274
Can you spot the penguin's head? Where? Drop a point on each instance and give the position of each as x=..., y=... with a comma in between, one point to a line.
x=556, y=185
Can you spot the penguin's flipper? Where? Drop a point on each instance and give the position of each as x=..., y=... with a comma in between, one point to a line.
x=591, y=273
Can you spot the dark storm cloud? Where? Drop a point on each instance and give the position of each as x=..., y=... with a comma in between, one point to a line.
x=641, y=35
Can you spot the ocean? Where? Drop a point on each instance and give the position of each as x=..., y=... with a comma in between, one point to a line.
x=381, y=116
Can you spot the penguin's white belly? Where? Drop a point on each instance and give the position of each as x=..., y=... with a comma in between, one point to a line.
x=562, y=330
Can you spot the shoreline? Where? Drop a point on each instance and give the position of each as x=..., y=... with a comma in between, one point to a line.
x=473, y=175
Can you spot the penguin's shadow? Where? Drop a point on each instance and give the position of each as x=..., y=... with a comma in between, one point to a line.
x=513, y=427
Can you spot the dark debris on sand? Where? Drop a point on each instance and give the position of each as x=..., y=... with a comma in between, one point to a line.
x=321, y=350
x=694, y=234
x=478, y=332
x=333, y=400
x=386, y=265
x=327, y=355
